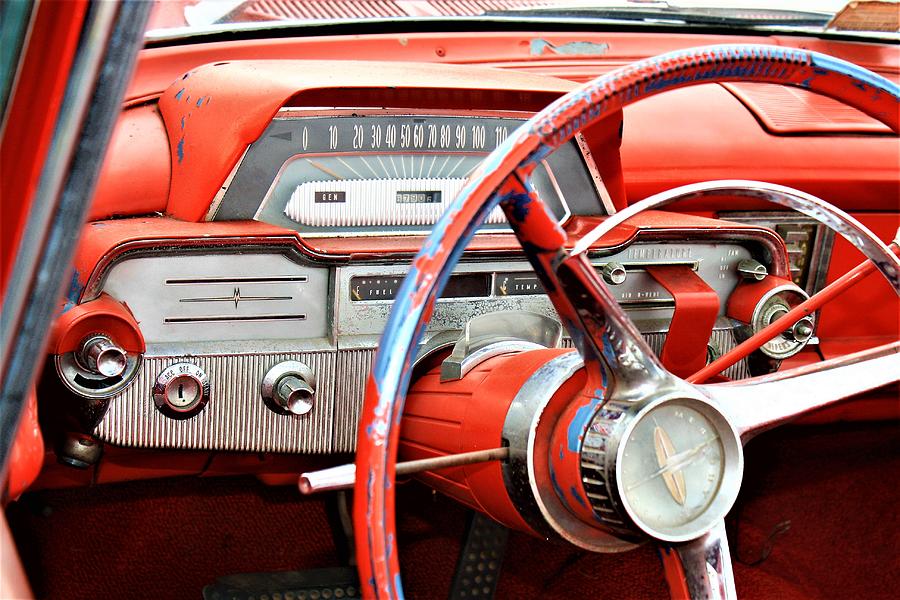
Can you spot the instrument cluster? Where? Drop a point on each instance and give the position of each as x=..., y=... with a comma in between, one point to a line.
x=373, y=173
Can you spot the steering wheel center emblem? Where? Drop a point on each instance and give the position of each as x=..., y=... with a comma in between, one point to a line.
x=672, y=476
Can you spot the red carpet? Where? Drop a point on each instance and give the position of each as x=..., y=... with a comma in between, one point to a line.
x=837, y=485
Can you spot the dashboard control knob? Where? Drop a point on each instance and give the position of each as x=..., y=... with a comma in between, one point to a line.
x=614, y=273
x=801, y=331
x=750, y=269
x=289, y=387
x=294, y=395
x=100, y=355
x=181, y=391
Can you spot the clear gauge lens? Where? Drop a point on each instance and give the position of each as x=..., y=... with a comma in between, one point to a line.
x=672, y=466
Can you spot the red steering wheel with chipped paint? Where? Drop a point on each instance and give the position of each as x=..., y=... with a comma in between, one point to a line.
x=625, y=373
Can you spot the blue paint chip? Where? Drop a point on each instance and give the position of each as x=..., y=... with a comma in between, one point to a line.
x=199, y=101
x=180, y=150
x=179, y=94
x=580, y=421
x=574, y=491
x=73, y=292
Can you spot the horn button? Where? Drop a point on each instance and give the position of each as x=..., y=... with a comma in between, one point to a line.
x=670, y=468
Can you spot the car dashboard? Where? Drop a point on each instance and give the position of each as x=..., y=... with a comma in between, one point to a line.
x=256, y=217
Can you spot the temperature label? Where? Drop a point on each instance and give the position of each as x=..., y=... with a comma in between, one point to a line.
x=517, y=284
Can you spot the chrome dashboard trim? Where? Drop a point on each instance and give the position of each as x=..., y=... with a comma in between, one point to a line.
x=255, y=294
x=594, y=172
x=292, y=246
x=236, y=417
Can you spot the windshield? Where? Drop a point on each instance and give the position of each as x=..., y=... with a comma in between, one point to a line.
x=174, y=19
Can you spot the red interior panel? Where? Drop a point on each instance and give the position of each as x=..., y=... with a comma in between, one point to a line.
x=868, y=314
x=704, y=132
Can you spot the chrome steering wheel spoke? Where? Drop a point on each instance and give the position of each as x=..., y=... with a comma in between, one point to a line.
x=603, y=334
x=761, y=403
x=700, y=569
x=602, y=328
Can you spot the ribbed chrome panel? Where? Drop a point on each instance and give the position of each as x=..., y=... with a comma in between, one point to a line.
x=235, y=417
x=350, y=389
x=377, y=205
x=722, y=339
x=353, y=369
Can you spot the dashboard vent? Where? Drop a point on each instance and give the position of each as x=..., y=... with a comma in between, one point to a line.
x=355, y=9
x=789, y=110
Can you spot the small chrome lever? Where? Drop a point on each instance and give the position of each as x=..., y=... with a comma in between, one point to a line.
x=343, y=476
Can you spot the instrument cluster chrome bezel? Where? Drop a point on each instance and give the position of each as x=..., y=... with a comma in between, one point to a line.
x=295, y=113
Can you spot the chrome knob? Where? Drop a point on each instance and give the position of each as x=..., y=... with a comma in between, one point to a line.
x=614, y=273
x=101, y=356
x=802, y=330
x=289, y=387
x=294, y=395
x=752, y=270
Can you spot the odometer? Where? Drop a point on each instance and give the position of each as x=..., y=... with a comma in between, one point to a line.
x=433, y=197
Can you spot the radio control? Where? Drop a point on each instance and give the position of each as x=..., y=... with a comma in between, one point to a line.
x=289, y=387
x=614, y=273
x=750, y=269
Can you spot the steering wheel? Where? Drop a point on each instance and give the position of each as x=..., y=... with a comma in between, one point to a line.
x=628, y=391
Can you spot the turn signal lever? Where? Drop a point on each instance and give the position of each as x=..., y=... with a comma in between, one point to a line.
x=343, y=476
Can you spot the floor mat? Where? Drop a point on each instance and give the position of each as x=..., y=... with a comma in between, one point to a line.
x=836, y=485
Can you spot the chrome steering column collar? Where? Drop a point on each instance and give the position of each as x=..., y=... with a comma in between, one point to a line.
x=668, y=467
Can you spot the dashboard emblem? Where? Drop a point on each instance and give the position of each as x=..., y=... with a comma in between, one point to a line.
x=236, y=298
x=674, y=478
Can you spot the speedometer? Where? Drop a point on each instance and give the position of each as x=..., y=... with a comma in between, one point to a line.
x=385, y=173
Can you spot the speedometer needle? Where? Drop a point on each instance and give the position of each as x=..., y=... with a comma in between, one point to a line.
x=675, y=462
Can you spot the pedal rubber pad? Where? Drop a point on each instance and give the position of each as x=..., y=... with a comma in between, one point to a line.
x=340, y=583
x=478, y=567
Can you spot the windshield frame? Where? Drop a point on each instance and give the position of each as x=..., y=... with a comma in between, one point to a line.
x=479, y=24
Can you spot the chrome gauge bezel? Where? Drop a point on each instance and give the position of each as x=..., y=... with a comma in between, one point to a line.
x=729, y=486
